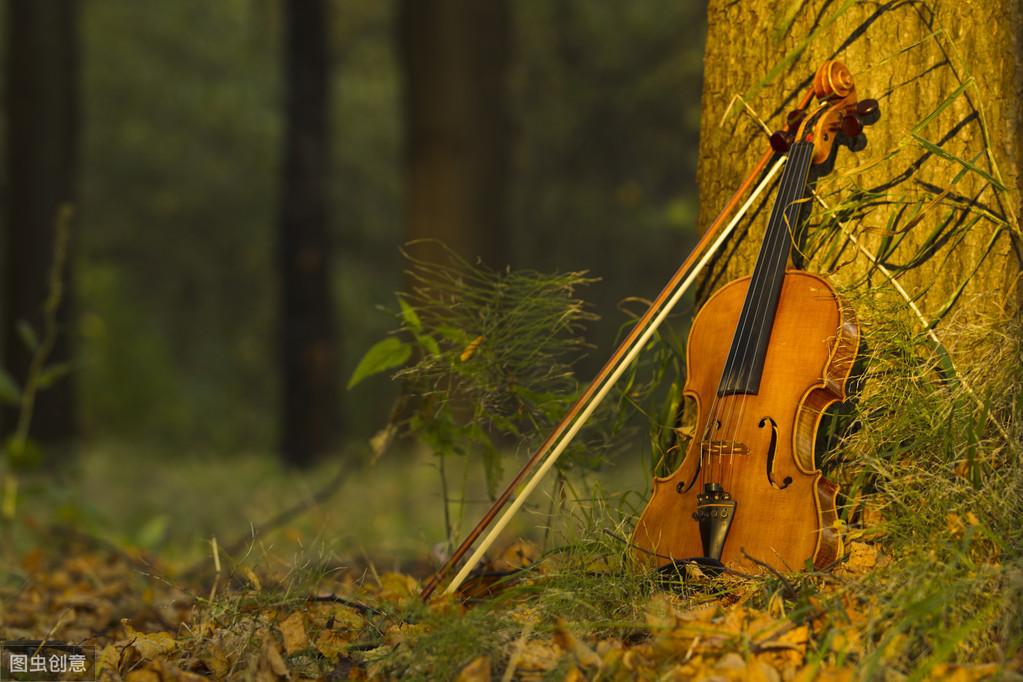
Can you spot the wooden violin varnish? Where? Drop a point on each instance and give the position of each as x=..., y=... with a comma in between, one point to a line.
x=767, y=354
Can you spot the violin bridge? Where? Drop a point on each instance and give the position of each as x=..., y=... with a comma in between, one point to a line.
x=719, y=448
x=715, y=511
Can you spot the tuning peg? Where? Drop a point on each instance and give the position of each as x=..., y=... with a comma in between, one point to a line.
x=868, y=111
x=851, y=126
x=794, y=118
x=857, y=143
x=779, y=142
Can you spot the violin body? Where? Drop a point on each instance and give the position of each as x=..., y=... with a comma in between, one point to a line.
x=760, y=446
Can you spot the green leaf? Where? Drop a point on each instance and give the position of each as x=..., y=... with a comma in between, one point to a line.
x=408, y=313
x=28, y=335
x=382, y=356
x=428, y=342
x=9, y=391
x=49, y=375
x=153, y=531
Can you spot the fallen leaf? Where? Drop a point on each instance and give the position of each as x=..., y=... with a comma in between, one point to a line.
x=398, y=587
x=862, y=557
x=538, y=655
x=272, y=654
x=478, y=670
x=142, y=676
x=518, y=554
x=148, y=645
x=567, y=640
x=334, y=643
x=293, y=632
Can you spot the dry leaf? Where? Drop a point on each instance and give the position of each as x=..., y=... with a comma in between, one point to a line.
x=293, y=632
x=142, y=676
x=398, y=587
x=567, y=640
x=538, y=656
x=518, y=554
x=862, y=557
x=272, y=654
x=334, y=643
x=148, y=645
x=477, y=671
x=109, y=659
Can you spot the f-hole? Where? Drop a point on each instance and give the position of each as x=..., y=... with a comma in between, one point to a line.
x=682, y=487
x=771, y=452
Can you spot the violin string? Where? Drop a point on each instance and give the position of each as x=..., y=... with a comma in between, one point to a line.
x=715, y=413
x=705, y=465
x=789, y=217
x=761, y=286
x=719, y=405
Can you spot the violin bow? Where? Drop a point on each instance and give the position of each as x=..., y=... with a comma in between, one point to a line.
x=605, y=379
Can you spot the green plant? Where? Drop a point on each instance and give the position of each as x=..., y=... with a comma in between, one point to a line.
x=19, y=448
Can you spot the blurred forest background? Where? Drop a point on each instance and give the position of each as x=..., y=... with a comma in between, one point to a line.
x=243, y=174
x=206, y=146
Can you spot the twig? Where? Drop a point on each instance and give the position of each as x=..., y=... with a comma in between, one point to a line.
x=790, y=591
x=335, y=599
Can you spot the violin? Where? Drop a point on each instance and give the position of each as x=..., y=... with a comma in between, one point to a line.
x=767, y=354
x=759, y=421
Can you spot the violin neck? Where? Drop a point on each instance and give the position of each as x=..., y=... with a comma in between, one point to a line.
x=745, y=363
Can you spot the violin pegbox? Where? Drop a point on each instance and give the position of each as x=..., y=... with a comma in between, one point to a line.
x=839, y=117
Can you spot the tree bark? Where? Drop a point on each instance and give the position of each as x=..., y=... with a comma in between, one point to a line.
x=42, y=155
x=910, y=57
x=308, y=345
x=455, y=60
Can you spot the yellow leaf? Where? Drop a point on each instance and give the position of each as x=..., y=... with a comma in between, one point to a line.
x=142, y=676
x=333, y=643
x=272, y=654
x=470, y=350
x=518, y=554
x=862, y=557
x=954, y=524
x=398, y=587
x=538, y=656
x=293, y=631
x=963, y=673
x=478, y=670
x=109, y=659
x=567, y=640
x=251, y=576
x=149, y=645
x=337, y=616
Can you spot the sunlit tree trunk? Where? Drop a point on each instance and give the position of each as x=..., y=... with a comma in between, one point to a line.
x=308, y=346
x=42, y=153
x=455, y=59
x=911, y=57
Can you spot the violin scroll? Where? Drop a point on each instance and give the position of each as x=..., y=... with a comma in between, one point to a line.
x=840, y=117
x=833, y=81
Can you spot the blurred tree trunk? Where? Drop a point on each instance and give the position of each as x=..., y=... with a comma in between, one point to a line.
x=308, y=346
x=42, y=153
x=911, y=57
x=455, y=56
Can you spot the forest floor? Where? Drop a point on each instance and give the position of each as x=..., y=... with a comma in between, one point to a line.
x=144, y=622
x=285, y=608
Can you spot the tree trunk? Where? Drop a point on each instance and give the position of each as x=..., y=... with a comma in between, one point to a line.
x=911, y=57
x=42, y=154
x=308, y=345
x=455, y=59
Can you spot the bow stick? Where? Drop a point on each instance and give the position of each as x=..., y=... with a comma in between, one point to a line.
x=615, y=366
